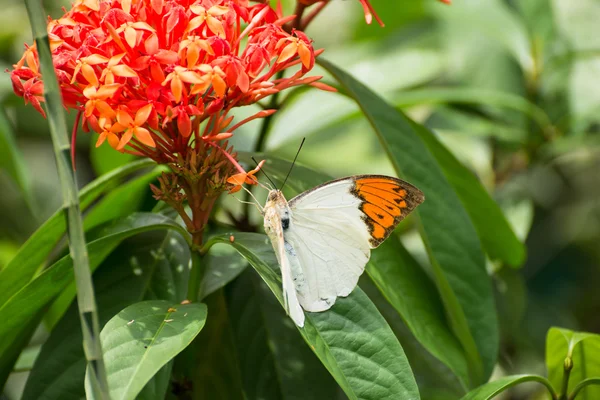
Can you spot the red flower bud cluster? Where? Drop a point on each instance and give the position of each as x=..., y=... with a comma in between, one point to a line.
x=145, y=74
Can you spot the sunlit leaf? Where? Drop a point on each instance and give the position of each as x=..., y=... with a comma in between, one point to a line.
x=583, y=350
x=144, y=337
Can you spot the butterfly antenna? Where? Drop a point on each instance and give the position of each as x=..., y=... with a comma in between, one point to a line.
x=263, y=171
x=293, y=162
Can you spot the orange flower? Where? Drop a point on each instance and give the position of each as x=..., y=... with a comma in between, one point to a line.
x=133, y=127
x=237, y=180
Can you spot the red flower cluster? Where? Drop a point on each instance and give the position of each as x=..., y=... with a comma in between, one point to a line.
x=145, y=74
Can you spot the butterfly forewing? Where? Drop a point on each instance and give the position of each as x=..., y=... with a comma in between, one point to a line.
x=385, y=201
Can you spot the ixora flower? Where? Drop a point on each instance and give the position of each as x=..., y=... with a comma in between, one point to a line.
x=159, y=78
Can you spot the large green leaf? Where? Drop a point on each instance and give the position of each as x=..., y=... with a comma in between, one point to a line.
x=413, y=295
x=144, y=337
x=32, y=254
x=492, y=389
x=367, y=361
x=433, y=377
x=497, y=237
x=583, y=351
x=275, y=362
x=447, y=231
x=26, y=304
x=146, y=266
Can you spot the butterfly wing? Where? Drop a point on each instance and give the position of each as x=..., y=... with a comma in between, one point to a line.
x=333, y=228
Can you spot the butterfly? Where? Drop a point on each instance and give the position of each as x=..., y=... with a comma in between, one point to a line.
x=323, y=237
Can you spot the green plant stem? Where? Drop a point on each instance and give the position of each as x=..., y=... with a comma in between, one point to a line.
x=583, y=384
x=568, y=366
x=196, y=275
x=83, y=278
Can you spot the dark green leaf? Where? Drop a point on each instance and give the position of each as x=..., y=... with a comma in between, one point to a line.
x=432, y=376
x=27, y=302
x=367, y=361
x=414, y=296
x=274, y=360
x=32, y=254
x=492, y=389
x=209, y=367
x=143, y=338
x=583, y=350
x=447, y=231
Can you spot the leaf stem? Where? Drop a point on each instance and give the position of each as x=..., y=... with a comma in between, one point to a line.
x=583, y=384
x=568, y=366
x=196, y=275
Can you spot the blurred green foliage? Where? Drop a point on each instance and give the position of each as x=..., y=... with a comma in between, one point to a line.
x=509, y=86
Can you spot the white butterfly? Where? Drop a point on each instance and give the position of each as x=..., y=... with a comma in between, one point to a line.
x=324, y=236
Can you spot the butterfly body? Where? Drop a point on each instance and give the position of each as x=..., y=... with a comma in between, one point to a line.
x=323, y=237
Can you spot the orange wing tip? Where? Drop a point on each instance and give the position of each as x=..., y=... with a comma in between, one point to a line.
x=385, y=201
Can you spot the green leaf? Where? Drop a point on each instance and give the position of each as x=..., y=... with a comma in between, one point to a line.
x=492, y=389
x=32, y=254
x=11, y=159
x=223, y=265
x=146, y=266
x=583, y=350
x=274, y=360
x=447, y=231
x=432, y=376
x=27, y=303
x=367, y=361
x=413, y=295
x=143, y=338
x=497, y=237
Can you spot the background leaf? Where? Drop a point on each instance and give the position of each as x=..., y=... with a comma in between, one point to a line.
x=11, y=159
x=450, y=238
x=497, y=237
